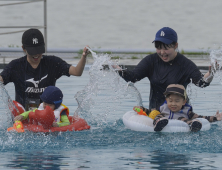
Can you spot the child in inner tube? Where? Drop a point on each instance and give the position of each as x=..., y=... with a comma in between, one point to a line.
x=52, y=97
x=175, y=107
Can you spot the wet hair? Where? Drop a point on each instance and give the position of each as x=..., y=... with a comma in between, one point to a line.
x=159, y=44
x=168, y=95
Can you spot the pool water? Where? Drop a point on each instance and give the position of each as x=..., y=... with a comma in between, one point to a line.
x=108, y=144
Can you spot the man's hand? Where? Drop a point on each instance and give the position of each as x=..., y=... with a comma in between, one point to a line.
x=1, y=79
x=218, y=115
x=85, y=51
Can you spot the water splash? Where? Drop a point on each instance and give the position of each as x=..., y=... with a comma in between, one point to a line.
x=9, y=106
x=106, y=90
x=215, y=57
x=216, y=60
x=6, y=116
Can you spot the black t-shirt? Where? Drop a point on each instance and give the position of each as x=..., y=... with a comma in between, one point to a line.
x=161, y=74
x=30, y=82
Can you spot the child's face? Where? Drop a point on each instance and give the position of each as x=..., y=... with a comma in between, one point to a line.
x=175, y=102
x=52, y=106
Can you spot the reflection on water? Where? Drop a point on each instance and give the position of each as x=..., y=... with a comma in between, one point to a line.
x=36, y=160
x=159, y=159
x=109, y=159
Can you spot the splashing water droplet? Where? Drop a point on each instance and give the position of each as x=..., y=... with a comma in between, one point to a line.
x=105, y=92
x=8, y=107
x=216, y=60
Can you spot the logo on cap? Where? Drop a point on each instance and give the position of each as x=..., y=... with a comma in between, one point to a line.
x=162, y=33
x=35, y=41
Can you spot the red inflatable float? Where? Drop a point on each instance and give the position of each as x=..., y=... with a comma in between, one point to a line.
x=41, y=121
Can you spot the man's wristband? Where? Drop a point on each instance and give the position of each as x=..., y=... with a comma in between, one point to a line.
x=215, y=119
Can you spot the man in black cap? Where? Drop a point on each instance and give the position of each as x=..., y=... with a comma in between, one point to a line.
x=34, y=72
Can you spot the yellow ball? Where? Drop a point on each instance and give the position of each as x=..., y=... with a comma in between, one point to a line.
x=153, y=114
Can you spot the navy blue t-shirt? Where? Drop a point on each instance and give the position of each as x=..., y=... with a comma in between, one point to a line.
x=181, y=70
x=30, y=82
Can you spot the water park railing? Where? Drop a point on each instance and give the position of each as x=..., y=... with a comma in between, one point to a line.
x=111, y=51
x=44, y=26
x=128, y=57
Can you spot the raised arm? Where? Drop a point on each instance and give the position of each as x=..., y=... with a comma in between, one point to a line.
x=201, y=80
x=208, y=77
x=78, y=70
x=1, y=79
x=142, y=70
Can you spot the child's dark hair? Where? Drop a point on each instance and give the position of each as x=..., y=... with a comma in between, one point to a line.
x=168, y=95
x=159, y=44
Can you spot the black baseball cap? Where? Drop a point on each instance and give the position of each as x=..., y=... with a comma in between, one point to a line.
x=33, y=41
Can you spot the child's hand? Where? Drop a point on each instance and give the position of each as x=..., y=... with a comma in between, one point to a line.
x=218, y=115
x=140, y=107
x=18, y=118
x=55, y=124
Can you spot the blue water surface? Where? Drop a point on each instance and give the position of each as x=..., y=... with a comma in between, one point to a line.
x=109, y=145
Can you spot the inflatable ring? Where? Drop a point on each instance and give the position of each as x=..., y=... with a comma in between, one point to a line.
x=76, y=123
x=143, y=123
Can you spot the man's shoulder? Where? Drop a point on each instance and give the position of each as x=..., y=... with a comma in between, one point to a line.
x=184, y=60
x=24, y=58
x=151, y=57
x=51, y=58
x=181, y=57
x=18, y=61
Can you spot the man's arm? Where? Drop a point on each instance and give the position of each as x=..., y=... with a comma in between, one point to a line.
x=199, y=79
x=1, y=79
x=142, y=70
x=78, y=70
x=208, y=77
